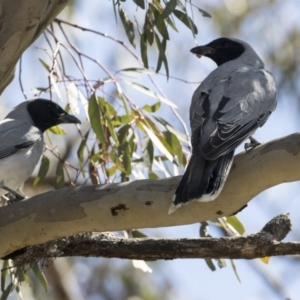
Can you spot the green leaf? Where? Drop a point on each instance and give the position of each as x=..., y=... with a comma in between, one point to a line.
x=148, y=152
x=94, y=115
x=137, y=70
x=236, y=224
x=108, y=110
x=44, y=168
x=7, y=291
x=143, y=44
x=120, y=120
x=150, y=93
x=111, y=171
x=152, y=175
x=157, y=142
x=80, y=151
x=128, y=26
x=265, y=259
x=45, y=65
x=60, y=178
x=114, y=7
x=210, y=264
x=152, y=108
x=235, y=270
x=127, y=163
x=148, y=26
x=186, y=20
x=174, y=143
x=181, y=136
x=221, y=263
x=204, y=229
x=140, y=3
x=116, y=160
x=162, y=56
x=170, y=7
x=57, y=130
x=204, y=13
x=138, y=234
x=4, y=273
x=122, y=133
x=161, y=26
x=40, y=276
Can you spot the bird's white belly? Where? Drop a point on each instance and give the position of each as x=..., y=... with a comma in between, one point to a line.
x=16, y=168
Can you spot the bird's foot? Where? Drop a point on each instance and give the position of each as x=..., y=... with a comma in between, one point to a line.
x=253, y=144
x=16, y=196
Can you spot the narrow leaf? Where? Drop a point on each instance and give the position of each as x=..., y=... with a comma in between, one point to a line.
x=7, y=291
x=148, y=26
x=111, y=171
x=127, y=163
x=204, y=13
x=236, y=224
x=148, y=152
x=152, y=175
x=45, y=65
x=138, y=234
x=143, y=44
x=94, y=115
x=59, y=179
x=152, y=108
x=57, y=130
x=235, y=270
x=4, y=273
x=40, y=276
x=210, y=264
x=170, y=7
x=44, y=168
x=157, y=142
x=140, y=3
x=265, y=260
x=128, y=26
x=150, y=93
x=186, y=20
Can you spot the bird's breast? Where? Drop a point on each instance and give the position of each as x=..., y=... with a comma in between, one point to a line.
x=17, y=168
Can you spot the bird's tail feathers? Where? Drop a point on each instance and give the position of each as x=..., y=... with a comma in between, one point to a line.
x=203, y=179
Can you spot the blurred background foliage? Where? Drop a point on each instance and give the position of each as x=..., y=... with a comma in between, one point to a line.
x=124, y=68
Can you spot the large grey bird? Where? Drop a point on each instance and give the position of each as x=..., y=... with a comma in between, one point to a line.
x=21, y=140
x=228, y=106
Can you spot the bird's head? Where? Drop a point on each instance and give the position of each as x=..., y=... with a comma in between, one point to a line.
x=222, y=50
x=45, y=114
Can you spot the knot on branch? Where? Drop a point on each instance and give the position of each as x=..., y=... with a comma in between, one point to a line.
x=277, y=228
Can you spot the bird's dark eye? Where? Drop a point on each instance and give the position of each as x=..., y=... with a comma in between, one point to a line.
x=225, y=44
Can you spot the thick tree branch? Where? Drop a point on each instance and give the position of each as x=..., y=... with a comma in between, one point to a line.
x=143, y=203
x=264, y=243
x=21, y=24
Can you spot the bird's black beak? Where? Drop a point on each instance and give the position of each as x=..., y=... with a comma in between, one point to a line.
x=66, y=118
x=202, y=51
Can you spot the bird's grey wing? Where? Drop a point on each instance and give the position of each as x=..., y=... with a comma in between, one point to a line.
x=199, y=111
x=248, y=99
x=16, y=135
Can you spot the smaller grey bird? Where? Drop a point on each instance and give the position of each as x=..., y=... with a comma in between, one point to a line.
x=21, y=140
x=227, y=108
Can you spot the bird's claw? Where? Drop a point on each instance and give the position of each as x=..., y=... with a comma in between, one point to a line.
x=16, y=196
x=253, y=144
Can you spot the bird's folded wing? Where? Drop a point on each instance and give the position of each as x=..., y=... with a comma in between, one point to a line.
x=248, y=100
x=16, y=135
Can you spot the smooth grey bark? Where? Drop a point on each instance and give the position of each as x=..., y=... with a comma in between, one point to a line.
x=143, y=203
x=21, y=23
